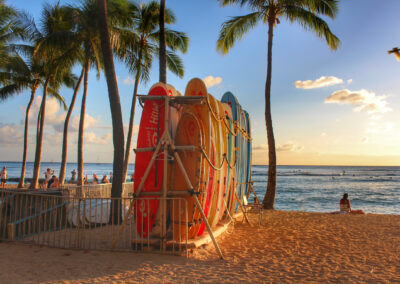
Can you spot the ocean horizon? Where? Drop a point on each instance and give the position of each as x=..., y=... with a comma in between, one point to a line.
x=374, y=189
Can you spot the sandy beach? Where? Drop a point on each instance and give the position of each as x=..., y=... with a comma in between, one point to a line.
x=288, y=247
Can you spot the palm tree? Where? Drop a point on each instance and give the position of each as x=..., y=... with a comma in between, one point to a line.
x=139, y=52
x=19, y=74
x=56, y=70
x=163, y=60
x=305, y=12
x=116, y=113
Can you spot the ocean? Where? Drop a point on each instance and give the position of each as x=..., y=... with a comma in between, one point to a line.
x=299, y=188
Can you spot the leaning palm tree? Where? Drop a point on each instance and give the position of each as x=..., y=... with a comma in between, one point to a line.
x=305, y=12
x=138, y=54
x=116, y=112
x=21, y=75
x=56, y=70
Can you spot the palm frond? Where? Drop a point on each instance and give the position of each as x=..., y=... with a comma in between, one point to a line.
x=234, y=29
x=310, y=21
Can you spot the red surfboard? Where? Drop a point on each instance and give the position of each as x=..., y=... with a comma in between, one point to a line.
x=151, y=129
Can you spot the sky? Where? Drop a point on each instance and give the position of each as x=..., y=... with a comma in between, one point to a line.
x=328, y=107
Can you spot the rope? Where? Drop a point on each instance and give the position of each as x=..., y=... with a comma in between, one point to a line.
x=232, y=220
x=209, y=162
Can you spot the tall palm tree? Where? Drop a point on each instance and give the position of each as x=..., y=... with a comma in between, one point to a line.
x=19, y=74
x=163, y=60
x=305, y=12
x=115, y=105
x=57, y=64
x=139, y=53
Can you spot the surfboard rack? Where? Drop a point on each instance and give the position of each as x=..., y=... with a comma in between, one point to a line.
x=166, y=144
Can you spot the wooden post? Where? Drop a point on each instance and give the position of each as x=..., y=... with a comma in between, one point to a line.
x=189, y=184
x=146, y=173
x=241, y=208
x=163, y=208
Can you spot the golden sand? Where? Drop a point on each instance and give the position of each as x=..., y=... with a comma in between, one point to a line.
x=289, y=247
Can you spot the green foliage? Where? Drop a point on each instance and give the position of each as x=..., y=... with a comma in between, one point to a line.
x=304, y=12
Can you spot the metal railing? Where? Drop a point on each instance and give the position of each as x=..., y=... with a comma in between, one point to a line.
x=92, y=223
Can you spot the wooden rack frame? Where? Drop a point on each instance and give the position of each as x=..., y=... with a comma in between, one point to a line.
x=166, y=144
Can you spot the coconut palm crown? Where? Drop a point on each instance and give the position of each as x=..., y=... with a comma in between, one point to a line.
x=308, y=14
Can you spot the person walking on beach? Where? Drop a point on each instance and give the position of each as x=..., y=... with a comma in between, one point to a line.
x=4, y=177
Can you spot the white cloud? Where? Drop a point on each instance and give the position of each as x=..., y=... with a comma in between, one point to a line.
x=323, y=134
x=375, y=127
x=364, y=140
x=363, y=100
x=349, y=81
x=318, y=83
x=289, y=147
x=260, y=147
x=9, y=135
x=129, y=81
x=91, y=138
x=90, y=122
x=212, y=81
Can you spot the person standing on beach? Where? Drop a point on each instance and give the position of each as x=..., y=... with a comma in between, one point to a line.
x=73, y=177
x=4, y=177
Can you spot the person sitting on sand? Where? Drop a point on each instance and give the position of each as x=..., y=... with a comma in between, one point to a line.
x=345, y=205
x=4, y=177
x=55, y=183
x=95, y=179
x=105, y=180
x=51, y=181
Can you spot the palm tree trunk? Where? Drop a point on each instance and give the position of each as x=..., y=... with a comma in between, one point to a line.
x=38, y=153
x=116, y=113
x=65, y=135
x=21, y=183
x=82, y=123
x=131, y=119
x=269, y=198
x=163, y=58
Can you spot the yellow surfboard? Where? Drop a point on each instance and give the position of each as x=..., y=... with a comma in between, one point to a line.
x=219, y=185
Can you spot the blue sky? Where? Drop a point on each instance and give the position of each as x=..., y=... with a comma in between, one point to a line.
x=359, y=125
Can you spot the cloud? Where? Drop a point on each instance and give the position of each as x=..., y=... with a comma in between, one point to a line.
x=375, y=127
x=364, y=140
x=129, y=81
x=349, y=81
x=289, y=147
x=212, y=81
x=319, y=83
x=323, y=134
x=9, y=135
x=260, y=147
x=90, y=122
x=363, y=100
x=91, y=138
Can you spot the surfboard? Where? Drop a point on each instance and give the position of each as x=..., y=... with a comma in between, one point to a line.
x=196, y=87
x=189, y=132
x=232, y=101
x=249, y=151
x=224, y=171
x=150, y=130
x=219, y=146
x=231, y=167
